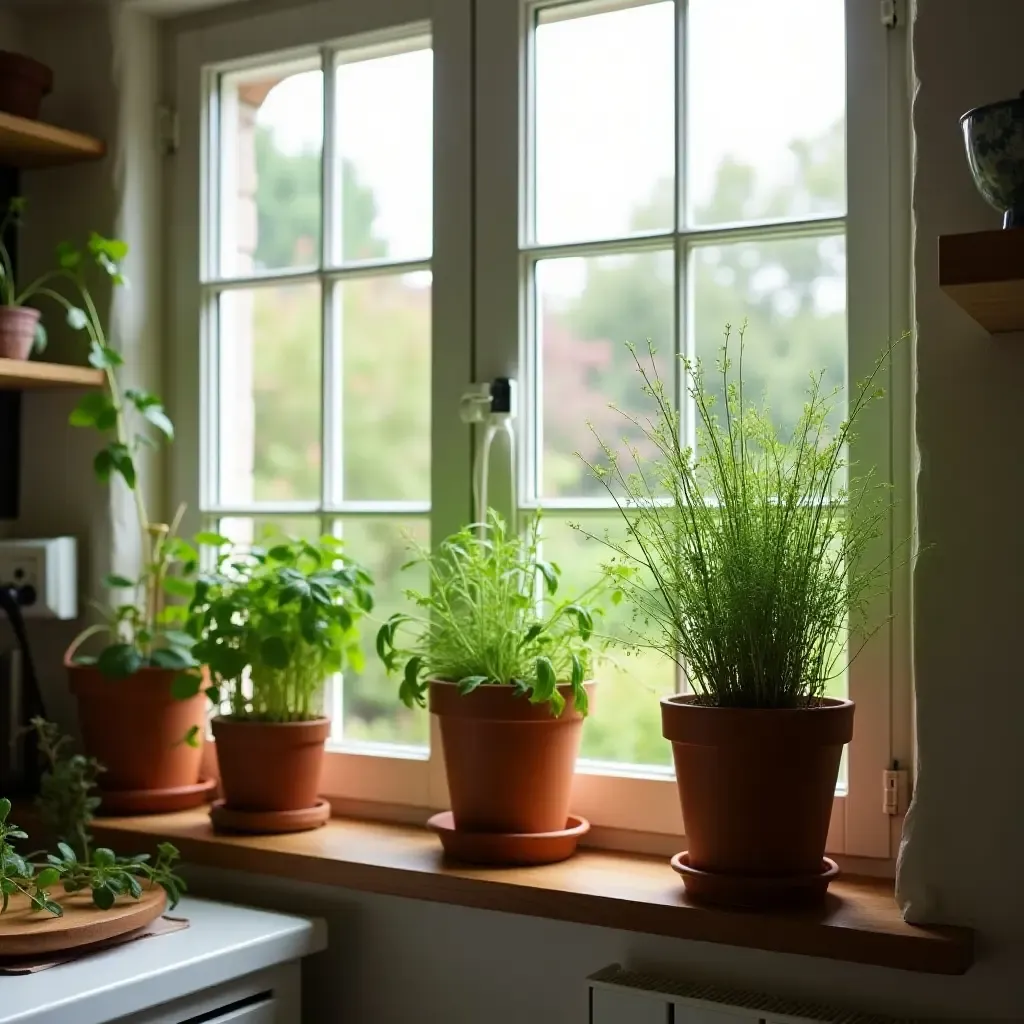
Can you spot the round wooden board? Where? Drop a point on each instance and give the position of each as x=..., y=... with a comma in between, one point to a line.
x=23, y=933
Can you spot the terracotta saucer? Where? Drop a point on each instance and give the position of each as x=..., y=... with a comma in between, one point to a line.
x=508, y=849
x=155, y=801
x=226, y=819
x=751, y=892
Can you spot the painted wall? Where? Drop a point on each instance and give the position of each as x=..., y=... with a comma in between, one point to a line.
x=394, y=960
x=106, y=68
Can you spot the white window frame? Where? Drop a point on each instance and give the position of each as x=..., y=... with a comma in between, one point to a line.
x=481, y=99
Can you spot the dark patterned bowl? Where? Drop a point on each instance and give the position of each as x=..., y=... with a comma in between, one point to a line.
x=994, y=137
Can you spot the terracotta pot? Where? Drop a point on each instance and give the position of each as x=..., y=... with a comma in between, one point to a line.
x=756, y=786
x=135, y=728
x=270, y=766
x=17, y=331
x=23, y=84
x=510, y=763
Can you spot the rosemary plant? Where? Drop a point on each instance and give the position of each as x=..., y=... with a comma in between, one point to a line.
x=747, y=559
x=482, y=623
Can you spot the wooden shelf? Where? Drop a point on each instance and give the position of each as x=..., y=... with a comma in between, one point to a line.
x=33, y=144
x=28, y=375
x=983, y=272
x=859, y=922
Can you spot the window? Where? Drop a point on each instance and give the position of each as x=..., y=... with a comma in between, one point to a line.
x=398, y=202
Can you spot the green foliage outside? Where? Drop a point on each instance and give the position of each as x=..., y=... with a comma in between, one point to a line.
x=792, y=292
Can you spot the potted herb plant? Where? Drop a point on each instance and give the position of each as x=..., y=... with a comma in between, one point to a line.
x=127, y=709
x=506, y=670
x=747, y=575
x=273, y=625
x=21, y=331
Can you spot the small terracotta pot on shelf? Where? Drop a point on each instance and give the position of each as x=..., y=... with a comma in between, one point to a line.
x=135, y=728
x=510, y=763
x=270, y=774
x=23, y=84
x=756, y=788
x=17, y=331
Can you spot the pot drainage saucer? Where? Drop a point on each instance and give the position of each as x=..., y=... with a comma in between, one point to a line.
x=504, y=849
x=155, y=801
x=754, y=892
x=227, y=819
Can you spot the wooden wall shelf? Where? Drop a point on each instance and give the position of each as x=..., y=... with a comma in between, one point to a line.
x=19, y=375
x=32, y=144
x=983, y=272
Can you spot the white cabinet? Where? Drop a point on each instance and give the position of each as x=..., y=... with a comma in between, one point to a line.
x=232, y=965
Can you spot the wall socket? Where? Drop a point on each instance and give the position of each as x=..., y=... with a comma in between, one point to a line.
x=44, y=573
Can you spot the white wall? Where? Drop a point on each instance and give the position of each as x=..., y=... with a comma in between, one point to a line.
x=394, y=960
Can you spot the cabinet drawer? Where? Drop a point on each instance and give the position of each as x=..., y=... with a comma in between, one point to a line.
x=266, y=1011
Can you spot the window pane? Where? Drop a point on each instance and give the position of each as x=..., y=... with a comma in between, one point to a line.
x=793, y=294
x=587, y=309
x=766, y=110
x=269, y=394
x=604, y=127
x=384, y=170
x=626, y=724
x=371, y=708
x=385, y=344
x=270, y=168
x=248, y=530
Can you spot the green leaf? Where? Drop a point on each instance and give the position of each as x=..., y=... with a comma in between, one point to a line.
x=67, y=853
x=89, y=409
x=171, y=658
x=191, y=738
x=47, y=877
x=102, y=356
x=77, y=321
x=156, y=415
x=134, y=888
x=550, y=577
x=545, y=688
x=69, y=257
x=178, y=587
x=5, y=809
x=104, y=857
x=471, y=683
x=115, y=582
x=119, y=661
x=103, y=896
x=274, y=652
x=215, y=540
x=577, y=670
x=185, y=685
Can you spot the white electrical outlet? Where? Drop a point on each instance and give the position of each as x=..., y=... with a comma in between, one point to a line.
x=44, y=573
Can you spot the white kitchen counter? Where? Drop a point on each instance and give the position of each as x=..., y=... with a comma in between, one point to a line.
x=239, y=961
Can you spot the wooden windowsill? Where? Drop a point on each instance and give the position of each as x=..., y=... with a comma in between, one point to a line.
x=859, y=923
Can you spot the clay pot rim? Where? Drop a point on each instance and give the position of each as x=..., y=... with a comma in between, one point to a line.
x=30, y=311
x=500, y=702
x=21, y=65
x=683, y=720
x=234, y=720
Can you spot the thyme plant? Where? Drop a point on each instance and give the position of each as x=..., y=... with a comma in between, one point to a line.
x=747, y=558
x=481, y=622
x=66, y=804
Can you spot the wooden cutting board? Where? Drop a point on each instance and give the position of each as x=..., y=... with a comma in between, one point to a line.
x=23, y=933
